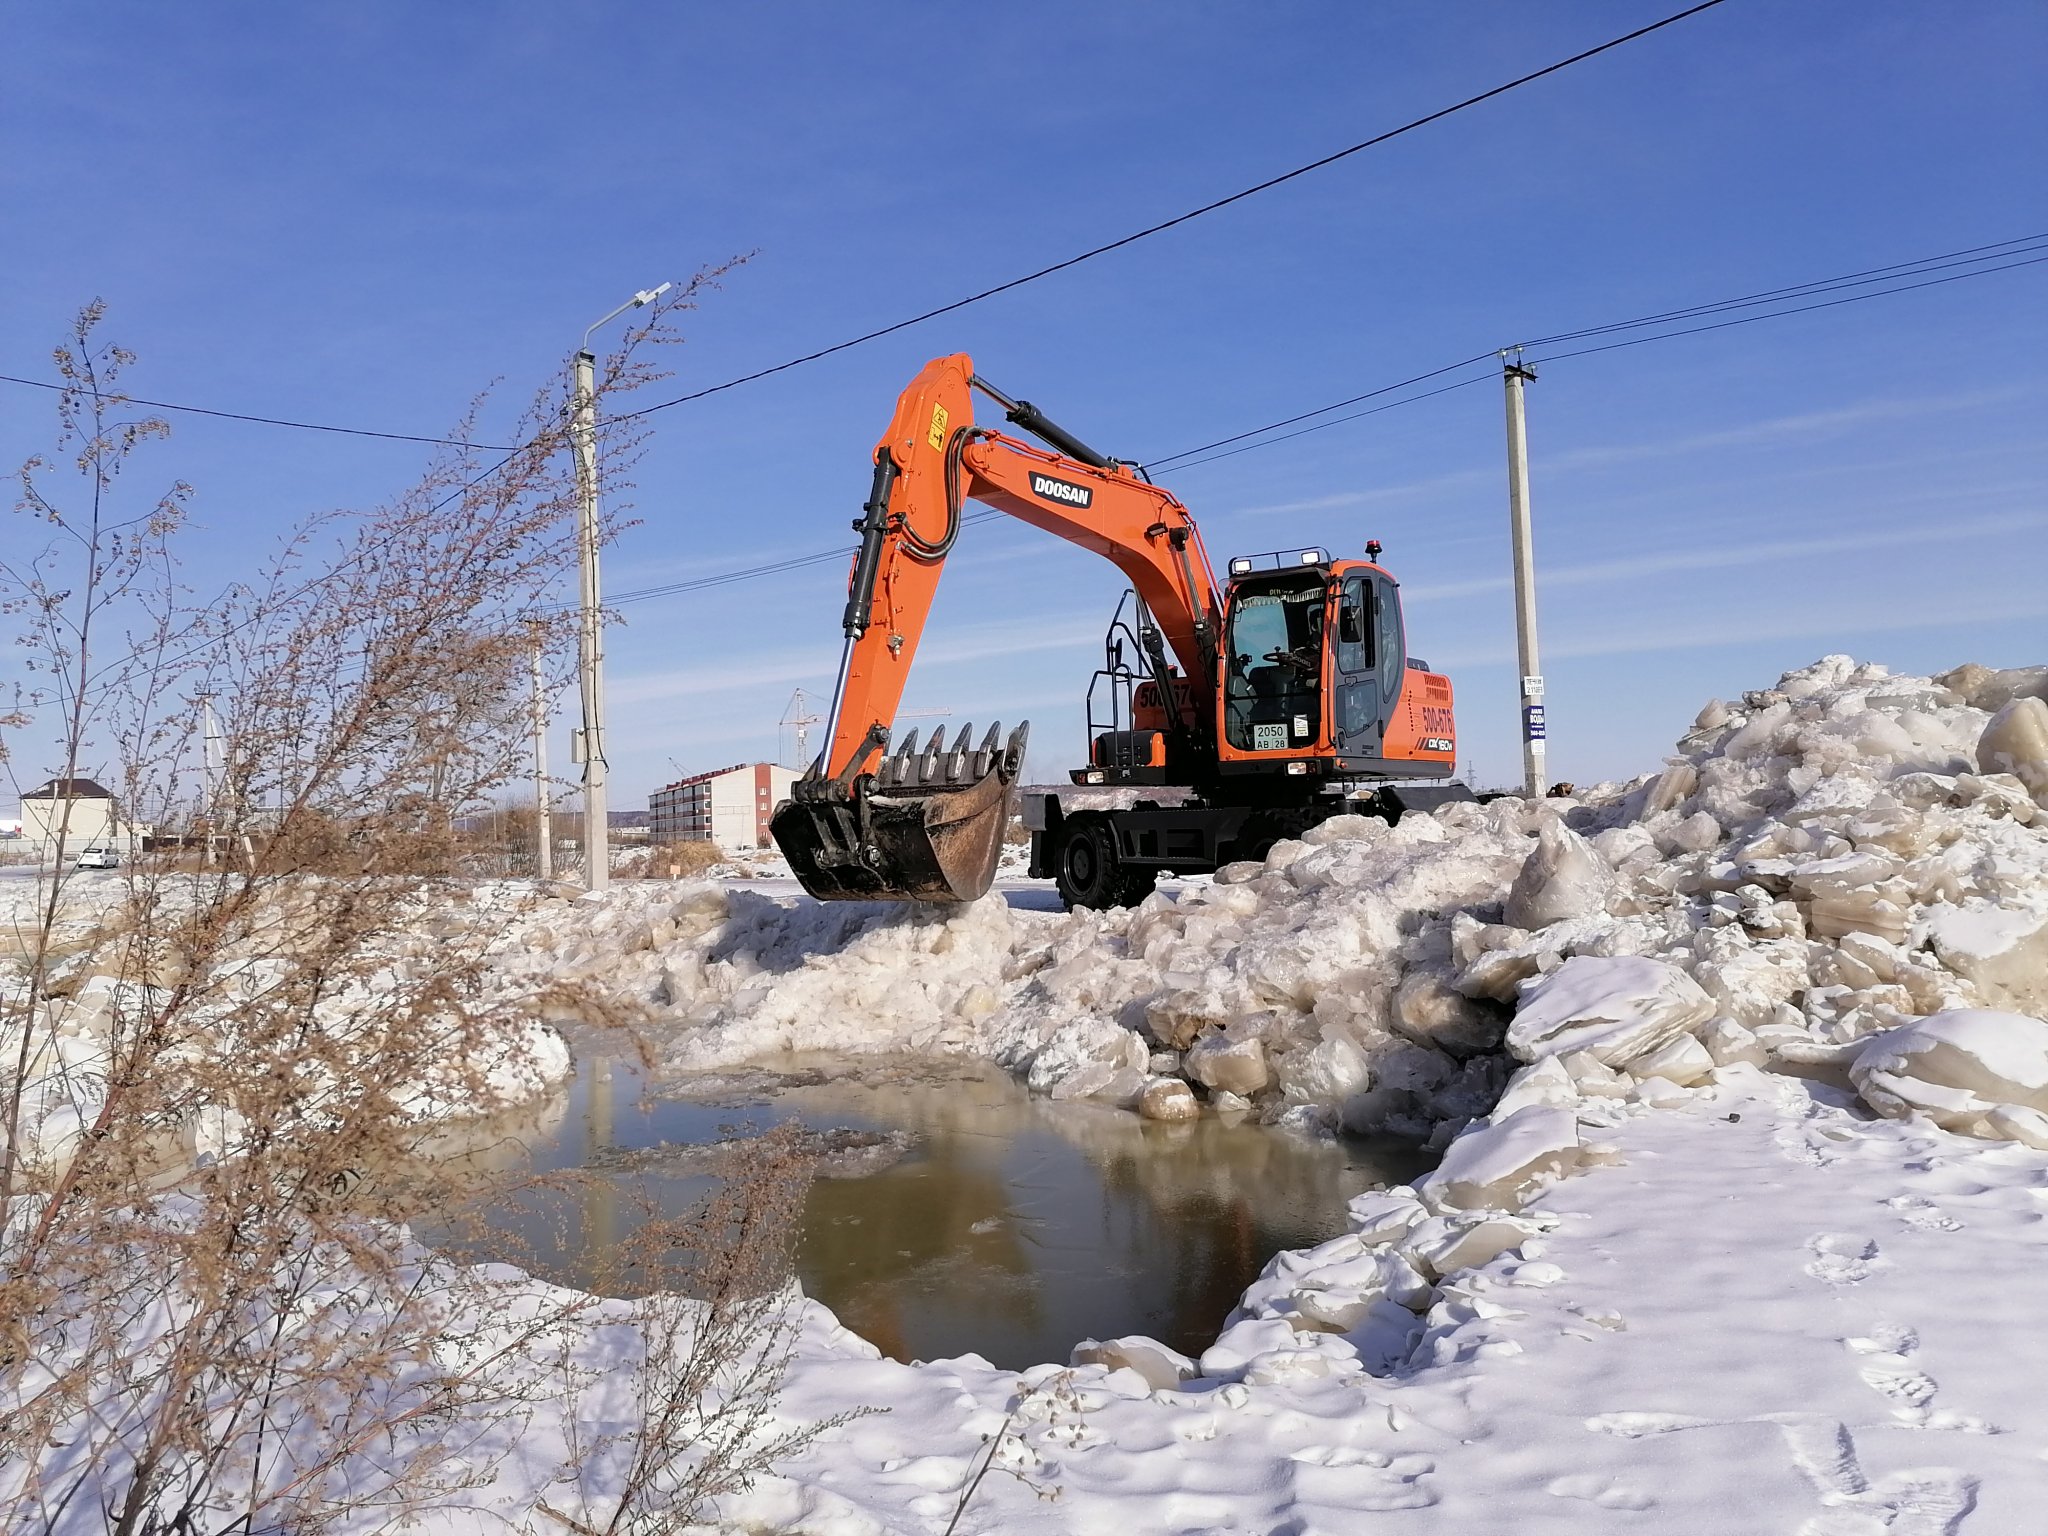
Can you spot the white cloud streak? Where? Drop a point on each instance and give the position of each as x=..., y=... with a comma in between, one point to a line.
x=1733, y=556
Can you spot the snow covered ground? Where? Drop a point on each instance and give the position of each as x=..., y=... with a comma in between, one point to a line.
x=1655, y=1287
x=1741, y=1076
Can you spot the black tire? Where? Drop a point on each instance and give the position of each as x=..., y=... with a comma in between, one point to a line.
x=1137, y=883
x=1086, y=869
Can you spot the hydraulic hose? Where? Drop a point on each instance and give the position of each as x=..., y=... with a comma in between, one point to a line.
x=956, y=496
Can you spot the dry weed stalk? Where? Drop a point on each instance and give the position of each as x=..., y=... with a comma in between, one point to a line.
x=217, y=1068
x=717, y=1316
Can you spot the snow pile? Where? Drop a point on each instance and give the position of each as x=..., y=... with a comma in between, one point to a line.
x=1969, y=1070
x=105, y=985
x=1819, y=862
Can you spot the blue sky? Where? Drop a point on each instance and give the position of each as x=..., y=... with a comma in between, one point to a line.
x=363, y=213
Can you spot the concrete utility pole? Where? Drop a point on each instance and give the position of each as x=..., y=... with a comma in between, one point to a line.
x=543, y=832
x=210, y=747
x=590, y=636
x=590, y=745
x=1514, y=374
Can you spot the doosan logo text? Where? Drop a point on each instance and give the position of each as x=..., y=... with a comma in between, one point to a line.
x=1061, y=490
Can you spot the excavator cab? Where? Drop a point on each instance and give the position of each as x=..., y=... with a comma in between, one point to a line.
x=1273, y=673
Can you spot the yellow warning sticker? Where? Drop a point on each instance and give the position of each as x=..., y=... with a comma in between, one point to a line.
x=937, y=436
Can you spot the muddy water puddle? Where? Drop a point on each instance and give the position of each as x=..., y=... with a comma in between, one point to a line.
x=956, y=1213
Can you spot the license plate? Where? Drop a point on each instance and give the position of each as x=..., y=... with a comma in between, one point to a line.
x=1269, y=738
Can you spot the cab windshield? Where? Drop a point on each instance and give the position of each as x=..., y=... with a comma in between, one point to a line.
x=1273, y=678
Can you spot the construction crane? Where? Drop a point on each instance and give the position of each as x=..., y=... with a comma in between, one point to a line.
x=1287, y=688
x=798, y=715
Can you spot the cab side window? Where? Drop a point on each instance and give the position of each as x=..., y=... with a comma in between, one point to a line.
x=1356, y=629
x=1392, y=657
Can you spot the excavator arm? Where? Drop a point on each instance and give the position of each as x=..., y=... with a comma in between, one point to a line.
x=928, y=825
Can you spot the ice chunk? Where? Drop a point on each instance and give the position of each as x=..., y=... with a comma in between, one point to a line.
x=1328, y=1073
x=1383, y=1214
x=1176, y=1016
x=1345, y=828
x=1446, y=1244
x=1501, y=1164
x=1593, y=1077
x=1234, y=1065
x=1728, y=1042
x=1242, y=1342
x=1168, y=1098
x=2002, y=951
x=1982, y=688
x=1547, y=1082
x=1162, y=1368
x=2016, y=742
x=1959, y=1069
x=1309, y=1357
x=1616, y=1007
x=1085, y=1053
x=1430, y=1011
x=1561, y=878
x=1864, y=910
x=1669, y=789
x=1869, y=954
x=2015, y=1122
x=1683, y=1061
x=1696, y=834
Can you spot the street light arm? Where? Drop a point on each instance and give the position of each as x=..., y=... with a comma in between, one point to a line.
x=644, y=297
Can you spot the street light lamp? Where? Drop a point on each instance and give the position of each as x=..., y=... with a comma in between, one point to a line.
x=589, y=741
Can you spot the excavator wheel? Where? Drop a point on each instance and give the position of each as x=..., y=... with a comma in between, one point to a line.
x=1088, y=872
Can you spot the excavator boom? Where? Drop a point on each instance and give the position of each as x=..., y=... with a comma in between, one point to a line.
x=926, y=824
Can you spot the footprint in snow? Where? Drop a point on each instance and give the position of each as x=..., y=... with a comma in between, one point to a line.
x=1923, y=1501
x=1842, y=1258
x=1923, y=1214
x=1885, y=1339
x=1886, y=1370
x=1595, y=1489
x=1386, y=1482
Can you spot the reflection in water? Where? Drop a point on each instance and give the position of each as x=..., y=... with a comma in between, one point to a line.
x=1015, y=1226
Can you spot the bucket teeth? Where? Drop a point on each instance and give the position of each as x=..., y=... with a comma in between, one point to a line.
x=898, y=768
x=926, y=825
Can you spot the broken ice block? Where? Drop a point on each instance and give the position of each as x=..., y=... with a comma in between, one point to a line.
x=2016, y=742
x=1957, y=1068
x=1501, y=1165
x=1616, y=1007
x=1561, y=878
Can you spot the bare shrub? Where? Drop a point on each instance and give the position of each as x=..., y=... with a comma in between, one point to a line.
x=717, y=1315
x=219, y=1070
x=671, y=861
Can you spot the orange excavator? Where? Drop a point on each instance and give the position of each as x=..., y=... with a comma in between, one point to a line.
x=1221, y=720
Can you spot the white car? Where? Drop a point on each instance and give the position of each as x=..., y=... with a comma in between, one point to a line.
x=98, y=858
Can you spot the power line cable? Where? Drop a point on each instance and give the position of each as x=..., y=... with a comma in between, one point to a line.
x=1186, y=459
x=1779, y=314
x=1180, y=462
x=1974, y=255
x=1182, y=218
x=973, y=298
x=1231, y=453
x=274, y=421
x=1182, y=459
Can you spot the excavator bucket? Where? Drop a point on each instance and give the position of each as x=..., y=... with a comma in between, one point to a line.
x=926, y=825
